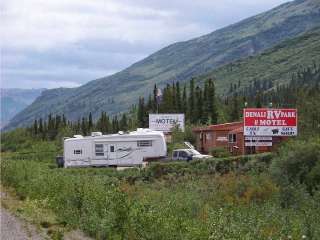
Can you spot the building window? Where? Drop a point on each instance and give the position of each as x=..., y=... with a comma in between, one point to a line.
x=99, y=150
x=208, y=136
x=111, y=148
x=232, y=138
x=78, y=151
x=144, y=143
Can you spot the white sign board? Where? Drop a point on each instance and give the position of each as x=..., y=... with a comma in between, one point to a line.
x=258, y=144
x=258, y=141
x=165, y=122
x=259, y=138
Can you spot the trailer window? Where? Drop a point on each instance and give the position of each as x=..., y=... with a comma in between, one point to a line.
x=77, y=151
x=111, y=148
x=99, y=150
x=144, y=143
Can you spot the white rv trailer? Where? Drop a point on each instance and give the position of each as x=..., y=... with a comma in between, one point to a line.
x=122, y=149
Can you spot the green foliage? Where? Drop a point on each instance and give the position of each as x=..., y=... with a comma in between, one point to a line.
x=174, y=201
x=220, y=152
x=298, y=162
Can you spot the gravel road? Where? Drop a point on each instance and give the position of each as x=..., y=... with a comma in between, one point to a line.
x=13, y=228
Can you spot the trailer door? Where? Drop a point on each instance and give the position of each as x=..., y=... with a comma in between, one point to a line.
x=110, y=151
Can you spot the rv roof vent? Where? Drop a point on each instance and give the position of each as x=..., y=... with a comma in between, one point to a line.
x=95, y=134
x=120, y=132
x=77, y=136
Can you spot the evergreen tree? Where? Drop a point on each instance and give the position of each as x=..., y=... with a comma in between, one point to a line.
x=84, y=127
x=41, y=126
x=184, y=104
x=155, y=101
x=51, y=127
x=174, y=98
x=167, y=100
x=150, y=105
x=141, y=113
x=199, y=105
x=258, y=100
x=178, y=98
x=90, y=123
x=191, y=107
x=64, y=120
x=124, y=123
x=235, y=115
x=212, y=103
x=35, y=127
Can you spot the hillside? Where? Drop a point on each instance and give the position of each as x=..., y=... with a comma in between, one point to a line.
x=14, y=100
x=276, y=64
x=179, y=61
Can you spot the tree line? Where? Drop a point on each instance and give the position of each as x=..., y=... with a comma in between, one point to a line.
x=200, y=105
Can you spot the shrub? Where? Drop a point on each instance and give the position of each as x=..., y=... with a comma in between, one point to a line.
x=298, y=162
x=220, y=152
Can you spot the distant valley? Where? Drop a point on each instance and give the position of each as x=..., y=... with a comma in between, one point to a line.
x=15, y=100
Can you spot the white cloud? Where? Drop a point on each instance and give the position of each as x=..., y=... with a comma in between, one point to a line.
x=79, y=39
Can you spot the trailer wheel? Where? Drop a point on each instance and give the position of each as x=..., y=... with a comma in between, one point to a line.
x=60, y=161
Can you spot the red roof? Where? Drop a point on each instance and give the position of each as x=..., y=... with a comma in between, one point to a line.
x=237, y=130
x=220, y=127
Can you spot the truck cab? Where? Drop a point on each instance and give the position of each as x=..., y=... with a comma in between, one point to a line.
x=187, y=155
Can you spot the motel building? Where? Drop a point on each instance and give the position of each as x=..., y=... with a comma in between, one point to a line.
x=231, y=136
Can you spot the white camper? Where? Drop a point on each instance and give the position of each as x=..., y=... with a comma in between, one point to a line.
x=122, y=149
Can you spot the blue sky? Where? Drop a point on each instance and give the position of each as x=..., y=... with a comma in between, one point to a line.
x=65, y=43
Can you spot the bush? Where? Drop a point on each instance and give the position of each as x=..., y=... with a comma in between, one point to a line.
x=220, y=152
x=298, y=162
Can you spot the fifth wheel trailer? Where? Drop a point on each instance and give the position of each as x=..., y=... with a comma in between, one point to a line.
x=122, y=149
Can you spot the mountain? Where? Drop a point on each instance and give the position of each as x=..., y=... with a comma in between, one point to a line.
x=179, y=61
x=13, y=100
x=276, y=64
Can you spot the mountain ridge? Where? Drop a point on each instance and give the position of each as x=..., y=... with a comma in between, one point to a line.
x=178, y=61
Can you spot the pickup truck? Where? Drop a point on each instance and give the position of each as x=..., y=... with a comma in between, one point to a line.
x=188, y=154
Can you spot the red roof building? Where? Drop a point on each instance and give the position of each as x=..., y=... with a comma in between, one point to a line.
x=230, y=136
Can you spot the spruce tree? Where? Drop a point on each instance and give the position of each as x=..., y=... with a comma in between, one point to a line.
x=90, y=123
x=155, y=100
x=191, y=107
x=124, y=123
x=212, y=103
x=41, y=126
x=235, y=115
x=199, y=105
x=174, y=98
x=35, y=127
x=141, y=112
x=84, y=127
x=178, y=98
x=184, y=104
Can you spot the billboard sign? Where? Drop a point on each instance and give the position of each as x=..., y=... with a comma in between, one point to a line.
x=165, y=122
x=270, y=122
x=258, y=141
